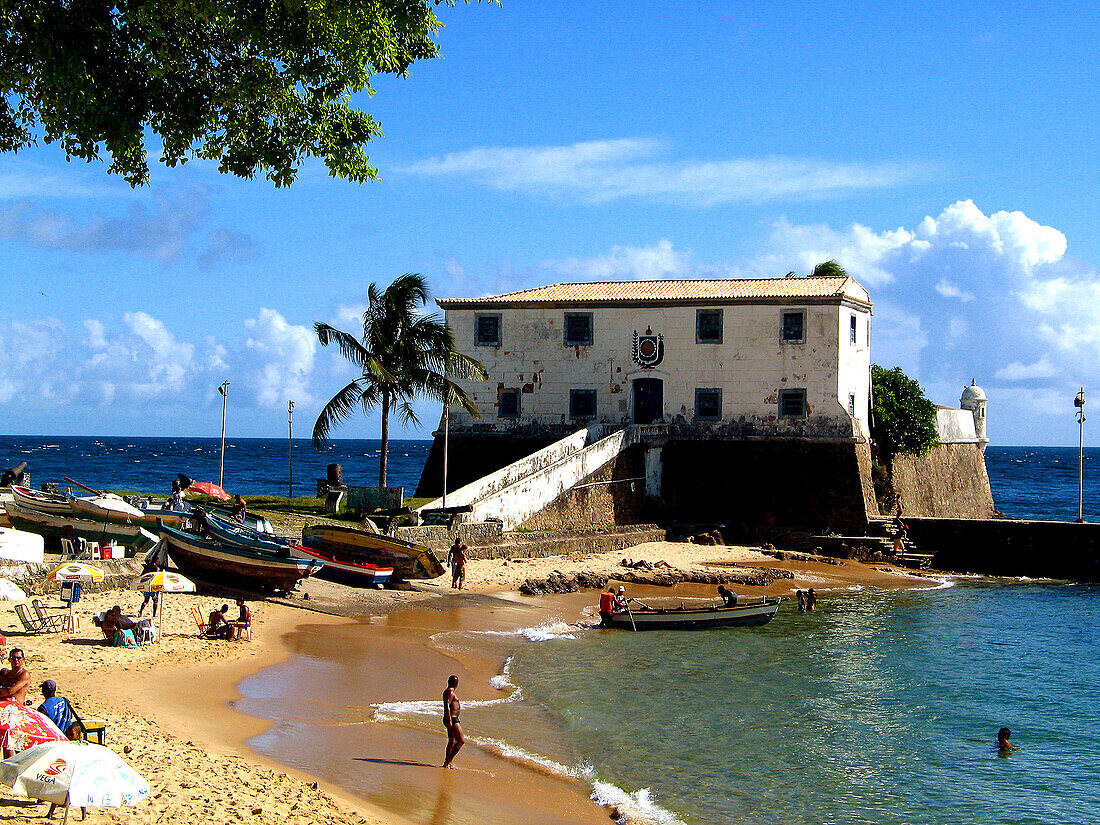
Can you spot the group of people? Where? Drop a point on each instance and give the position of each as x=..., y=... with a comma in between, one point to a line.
x=219, y=627
x=122, y=631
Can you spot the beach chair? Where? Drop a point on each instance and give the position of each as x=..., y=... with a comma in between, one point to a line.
x=204, y=629
x=43, y=615
x=34, y=625
x=244, y=631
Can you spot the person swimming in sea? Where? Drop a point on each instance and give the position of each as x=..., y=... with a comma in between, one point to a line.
x=1003, y=745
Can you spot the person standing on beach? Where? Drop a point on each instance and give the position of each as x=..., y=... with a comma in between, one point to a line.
x=452, y=708
x=457, y=558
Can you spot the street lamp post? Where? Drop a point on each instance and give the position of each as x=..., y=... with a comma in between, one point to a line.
x=290, y=448
x=223, y=388
x=1079, y=403
x=446, y=438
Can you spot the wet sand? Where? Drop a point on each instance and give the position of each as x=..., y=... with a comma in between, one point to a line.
x=211, y=758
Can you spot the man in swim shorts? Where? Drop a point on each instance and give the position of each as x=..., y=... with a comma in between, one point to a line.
x=452, y=708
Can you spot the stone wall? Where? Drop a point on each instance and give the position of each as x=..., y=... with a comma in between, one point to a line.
x=950, y=481
x=613, y=495
x=809, y=484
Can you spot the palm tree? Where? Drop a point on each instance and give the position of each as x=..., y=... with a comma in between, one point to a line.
x=402, y=354
x=829, y=269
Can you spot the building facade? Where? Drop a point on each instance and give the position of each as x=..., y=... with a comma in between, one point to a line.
x=712, y=358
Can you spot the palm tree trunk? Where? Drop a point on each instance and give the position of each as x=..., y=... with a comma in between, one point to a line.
x=382, y=461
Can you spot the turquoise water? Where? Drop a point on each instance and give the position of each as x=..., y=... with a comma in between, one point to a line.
x=862, y=712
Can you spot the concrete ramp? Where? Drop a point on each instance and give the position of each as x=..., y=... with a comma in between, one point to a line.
x=515, y=493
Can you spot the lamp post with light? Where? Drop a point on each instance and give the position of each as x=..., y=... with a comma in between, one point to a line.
x=290, y=448
x=1079, y=403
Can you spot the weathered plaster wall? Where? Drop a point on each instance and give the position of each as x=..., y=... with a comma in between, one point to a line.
x=950, y=481
x=474, y=454
x=614, y=495
x=494, y=482
x=803, y=483
x=750, y=366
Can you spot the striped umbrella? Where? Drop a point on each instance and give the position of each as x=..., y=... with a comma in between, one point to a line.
x=163, y=581
x=75, y=572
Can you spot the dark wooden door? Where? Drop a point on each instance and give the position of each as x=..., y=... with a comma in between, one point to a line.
x=649, y=400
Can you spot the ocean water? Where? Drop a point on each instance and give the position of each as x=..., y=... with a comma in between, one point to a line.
x=880, y=708
x=1027, y=482
x=253, y=466
x=864, y=711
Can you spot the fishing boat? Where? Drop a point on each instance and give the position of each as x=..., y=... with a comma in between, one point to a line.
x=53, y=503
x=253, y=569
x=642, y=616
x=45, y=524
x=345, y=570
x=107, y=507
x=408, y=560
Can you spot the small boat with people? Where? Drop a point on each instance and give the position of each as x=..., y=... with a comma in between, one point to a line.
x=254, y=569
x=640, y=615
x=348, y=545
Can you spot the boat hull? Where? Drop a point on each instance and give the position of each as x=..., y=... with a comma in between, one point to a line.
x=51, y=503
x=45, y=524
x=408, y=560
x=747, y=615
x=236, y=566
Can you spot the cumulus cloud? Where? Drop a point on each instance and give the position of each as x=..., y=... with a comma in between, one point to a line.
x=633, y=168
x=284, y=359
x=1032, y=314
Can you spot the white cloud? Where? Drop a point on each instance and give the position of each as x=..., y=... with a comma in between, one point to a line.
x=949, y=290
x=1032, y=315
x=608, y=170
x=285, y=354
x=1017, y=371
x=627, y=263
x=167, y=360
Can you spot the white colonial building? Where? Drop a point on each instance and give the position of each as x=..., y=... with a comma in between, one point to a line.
x=734, y=358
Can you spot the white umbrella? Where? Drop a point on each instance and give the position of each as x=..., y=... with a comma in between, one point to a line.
x=75, y=572
x=163, y=581
x=11, y=592
x=74, y=774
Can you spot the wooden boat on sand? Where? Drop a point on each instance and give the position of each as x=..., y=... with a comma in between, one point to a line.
x=642, y=616
x=44, y=524
x=53, y=503
x=346, y=544
x=253, y=569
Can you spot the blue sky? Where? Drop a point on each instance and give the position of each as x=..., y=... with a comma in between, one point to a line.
x=944, y=156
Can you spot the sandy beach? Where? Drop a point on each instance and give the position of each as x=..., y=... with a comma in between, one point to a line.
x=172, y=703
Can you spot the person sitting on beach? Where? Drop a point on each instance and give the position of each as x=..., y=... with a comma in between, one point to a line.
x=14, y=684
x=620, y=603
x=457, y=559
x=123, y=629
x=729, y=598
x=60, y=710
x=452, y=709
x=1003, y=745
x=244, y=620
x=607, y=605
x=239, y=509
x=217, y=626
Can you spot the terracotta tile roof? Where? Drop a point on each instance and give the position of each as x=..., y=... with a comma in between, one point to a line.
x=735, y=290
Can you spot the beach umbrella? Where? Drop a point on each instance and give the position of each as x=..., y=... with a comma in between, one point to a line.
x=22, y=727
x=75, y=572
x=11, y=592
x=74, y=774
x=209, y=488
x=163, y=581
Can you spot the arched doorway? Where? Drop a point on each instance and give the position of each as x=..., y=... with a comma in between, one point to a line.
x=649, y=400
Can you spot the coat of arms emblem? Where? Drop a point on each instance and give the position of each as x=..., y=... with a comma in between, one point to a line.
x=648, y=350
